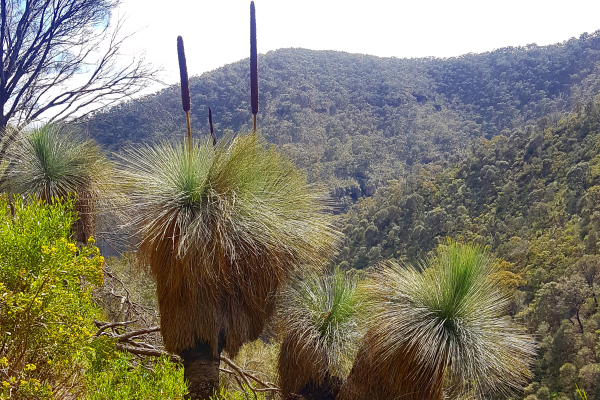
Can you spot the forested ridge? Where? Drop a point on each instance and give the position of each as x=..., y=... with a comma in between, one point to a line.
x=353, y=228
x=533, y=197
x=356, y=121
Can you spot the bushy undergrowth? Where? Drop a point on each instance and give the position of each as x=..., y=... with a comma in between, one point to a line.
x=117, y=375
x=260, y=358
x=46, y=305
x=48, y=343
x=48, y=348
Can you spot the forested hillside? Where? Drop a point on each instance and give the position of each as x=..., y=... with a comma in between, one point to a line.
x=533, y=197
x=415, y=229
x=355, y=121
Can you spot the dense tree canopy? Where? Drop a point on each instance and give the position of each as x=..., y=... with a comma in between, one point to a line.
x=532, y=197
x=355, y=121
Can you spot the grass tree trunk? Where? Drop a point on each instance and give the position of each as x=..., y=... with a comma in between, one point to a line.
x=326, y=390
x=201, y=371
x=371, y=379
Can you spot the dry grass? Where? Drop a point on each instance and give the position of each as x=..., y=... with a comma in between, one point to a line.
x=222, y=229
x=442, y=322
x=258, y=358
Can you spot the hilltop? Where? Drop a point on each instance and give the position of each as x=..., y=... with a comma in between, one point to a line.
x=357, y=121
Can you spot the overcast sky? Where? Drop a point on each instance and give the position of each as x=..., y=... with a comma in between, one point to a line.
x=216, y=31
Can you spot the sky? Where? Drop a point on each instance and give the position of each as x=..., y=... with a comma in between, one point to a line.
x=216, y=32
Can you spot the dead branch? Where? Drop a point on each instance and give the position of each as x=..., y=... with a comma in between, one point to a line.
x=126, y=342
x=62, y=59
x=267, y=386
x=106, y=325
x=133, y=334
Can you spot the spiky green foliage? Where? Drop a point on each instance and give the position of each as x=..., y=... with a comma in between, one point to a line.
x=443, y=321
x=581, y=393
x=318, y=324
x=54, y=162
x=222, y=229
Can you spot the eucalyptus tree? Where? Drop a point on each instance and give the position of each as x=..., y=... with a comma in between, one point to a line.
x=59, y=59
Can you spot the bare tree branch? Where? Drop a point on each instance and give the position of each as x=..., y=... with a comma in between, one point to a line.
x=61, y=59
x=125, y=342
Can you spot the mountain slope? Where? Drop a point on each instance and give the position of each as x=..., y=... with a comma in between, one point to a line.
x=356, y=121
x=501, y=149
x=533, y=198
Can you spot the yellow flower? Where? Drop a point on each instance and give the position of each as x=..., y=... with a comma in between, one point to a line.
x=30, y=367
x=3, y=362
x=6, y=384
x=72, y=246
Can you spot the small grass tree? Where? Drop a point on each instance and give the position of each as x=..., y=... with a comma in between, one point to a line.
x=222, y=228
x=318, y=325
x=440, y=322
x=52, y=162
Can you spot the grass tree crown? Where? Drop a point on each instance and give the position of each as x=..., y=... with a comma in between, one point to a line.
x=222, y=227
x=319, y=329
x=51, y=162
x=444, y=321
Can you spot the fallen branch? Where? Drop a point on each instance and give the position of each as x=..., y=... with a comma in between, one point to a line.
x=106, y=325
x=140, y=351
x=125, y=342
x=268, y=386
x=130, y=335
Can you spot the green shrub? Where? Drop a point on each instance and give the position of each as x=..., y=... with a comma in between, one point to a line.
x=46, y=305
x=113, y=374
x=238, y=395
x=48, y=348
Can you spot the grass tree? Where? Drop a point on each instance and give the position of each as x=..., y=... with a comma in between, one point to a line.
x=319, y=334
x=222, y=228
x=442, y=322
x=53, y=162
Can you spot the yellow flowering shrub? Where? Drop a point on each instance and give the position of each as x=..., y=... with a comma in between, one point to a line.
x=46, y=305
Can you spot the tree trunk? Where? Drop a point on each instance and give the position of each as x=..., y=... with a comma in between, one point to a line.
x=326, y=390
x=201, y=371
x=396, y=378
x=579, y=321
